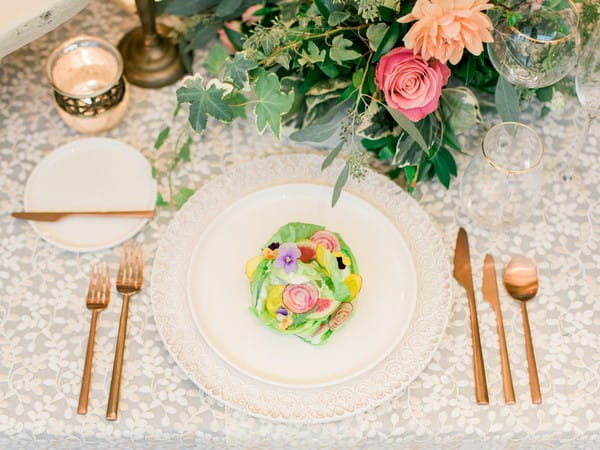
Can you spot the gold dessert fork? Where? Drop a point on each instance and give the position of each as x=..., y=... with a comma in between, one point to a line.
x=97, y=300
x=129, y=282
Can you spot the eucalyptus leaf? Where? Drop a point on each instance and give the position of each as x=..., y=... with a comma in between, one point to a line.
x=322, y=128
x=339, y=184
x=507, y=101
x=409, y=127
x=332, y=155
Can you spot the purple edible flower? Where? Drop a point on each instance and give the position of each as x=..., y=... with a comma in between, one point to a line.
x=281, y=310
x=286, y=259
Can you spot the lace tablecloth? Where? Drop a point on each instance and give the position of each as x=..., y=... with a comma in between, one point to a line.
x=44, y=323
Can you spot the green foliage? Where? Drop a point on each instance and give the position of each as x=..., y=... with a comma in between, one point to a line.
x=311, y=65
x=204, y=101
x=271, y=103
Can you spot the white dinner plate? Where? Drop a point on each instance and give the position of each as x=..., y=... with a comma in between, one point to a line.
x=219, y=293
x=200, y=296
x=86, y=175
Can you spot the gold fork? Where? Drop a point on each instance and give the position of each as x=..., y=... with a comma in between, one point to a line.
x=97, y=300
x=129, y=282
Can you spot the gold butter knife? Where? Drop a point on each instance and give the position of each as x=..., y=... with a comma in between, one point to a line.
x=462, y=273
x=53, y=216
x=490, y=294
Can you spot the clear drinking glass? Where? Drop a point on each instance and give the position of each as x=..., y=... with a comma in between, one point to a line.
x=86, y=74
x=587, y=78
x=540, y=49
x=502, y=184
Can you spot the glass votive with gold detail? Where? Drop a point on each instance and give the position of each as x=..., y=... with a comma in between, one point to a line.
x=86, y=74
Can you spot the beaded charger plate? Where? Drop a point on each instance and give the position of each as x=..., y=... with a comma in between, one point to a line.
x=200, y=296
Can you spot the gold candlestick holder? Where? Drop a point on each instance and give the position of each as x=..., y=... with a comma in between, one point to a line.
x=151, y=60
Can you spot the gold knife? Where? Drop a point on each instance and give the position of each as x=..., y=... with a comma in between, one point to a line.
x=53, y=216
x=462, y=273
x=490, y=293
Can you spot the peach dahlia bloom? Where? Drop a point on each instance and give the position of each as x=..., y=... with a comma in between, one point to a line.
x=444, y=28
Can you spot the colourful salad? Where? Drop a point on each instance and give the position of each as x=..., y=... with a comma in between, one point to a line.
x=304, y=282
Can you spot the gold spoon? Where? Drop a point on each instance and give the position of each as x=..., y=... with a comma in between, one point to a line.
x=521, y=282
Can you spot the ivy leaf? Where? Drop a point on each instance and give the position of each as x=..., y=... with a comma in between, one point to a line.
x=271, y=102
x=313, y=56
x=375, y=34
x=339, y=184
x=441, y=168
x=409, y=127
x=154, y=172
x=237, y=102
x=331, y=157
x=545, y=94
x=407, y=153
x=203, y=102
x=460, y=108
x=236, y=70
x=216, y=58
x=184, y=151
x=337, y=17
x=160, y=201
x=340, y=52
x=162, y=137
x=182, y=196
x=507, y=101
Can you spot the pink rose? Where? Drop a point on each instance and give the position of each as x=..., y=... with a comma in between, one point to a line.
x=410, y=84
x=233, y=25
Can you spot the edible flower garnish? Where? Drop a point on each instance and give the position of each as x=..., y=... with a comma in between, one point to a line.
x=287, y=257
x=342, y=260
x=270, y=254
x=284, y=323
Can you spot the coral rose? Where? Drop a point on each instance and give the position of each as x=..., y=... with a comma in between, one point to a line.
x=444, y=28
x=410, y=84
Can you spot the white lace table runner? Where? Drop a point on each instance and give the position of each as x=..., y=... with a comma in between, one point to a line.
x=44, y=322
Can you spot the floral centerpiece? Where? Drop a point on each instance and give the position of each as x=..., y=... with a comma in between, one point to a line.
x=397, y=79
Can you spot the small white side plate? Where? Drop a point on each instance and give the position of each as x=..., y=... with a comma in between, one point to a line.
x=87, y=175
x=219, y=293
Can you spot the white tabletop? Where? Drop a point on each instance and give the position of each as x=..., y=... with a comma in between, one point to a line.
x=44, y=322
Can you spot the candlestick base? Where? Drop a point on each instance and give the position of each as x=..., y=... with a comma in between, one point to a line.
x=151, y=61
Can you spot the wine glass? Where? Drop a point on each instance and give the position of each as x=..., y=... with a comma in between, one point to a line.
x=540, y=49
x=502, y=184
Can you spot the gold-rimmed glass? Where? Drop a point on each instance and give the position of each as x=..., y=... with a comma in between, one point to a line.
x=502, y=184
x=540, y=49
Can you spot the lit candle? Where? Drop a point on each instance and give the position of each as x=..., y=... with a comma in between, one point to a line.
x=89, y=90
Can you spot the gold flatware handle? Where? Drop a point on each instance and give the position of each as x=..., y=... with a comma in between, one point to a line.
x=534, y=382
x=481, y=392
x=115, y=384
x=84, y=393
x=53, y=216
